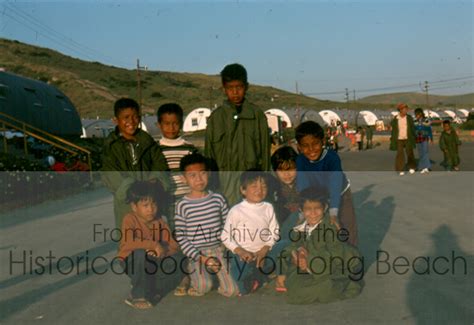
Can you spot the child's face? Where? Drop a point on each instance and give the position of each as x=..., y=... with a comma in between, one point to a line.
x=145, y=209
x=311, y=147
x=235, y=91
x=256, y=191
x=169, y=125
x=403, y=111
x=446, y=127
x=287, y=173
x=313, y=212
x=127, y=122
x=197, y=177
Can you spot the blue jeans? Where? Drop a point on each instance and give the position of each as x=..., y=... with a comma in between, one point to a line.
x=424, y=159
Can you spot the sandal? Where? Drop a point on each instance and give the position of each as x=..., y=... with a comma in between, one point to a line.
x=194, y=293
x=180, y=291
x=138, y=303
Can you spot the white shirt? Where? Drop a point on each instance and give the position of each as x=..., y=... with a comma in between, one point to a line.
x=402, y=128
x=250, y=226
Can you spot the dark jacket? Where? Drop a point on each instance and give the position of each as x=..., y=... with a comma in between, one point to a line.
x=120, y=168
x=410, y=133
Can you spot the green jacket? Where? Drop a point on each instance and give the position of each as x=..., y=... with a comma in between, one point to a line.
x=449, y=141
x=336, y=268
x=120, y=169
x=238, y=142
x=410, y=133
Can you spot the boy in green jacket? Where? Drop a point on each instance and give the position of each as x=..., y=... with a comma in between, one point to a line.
x=449, y=142
x=237, y=134
x=321, y=266
x=129, y=154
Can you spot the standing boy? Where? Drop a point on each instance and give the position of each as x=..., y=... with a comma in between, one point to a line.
x=174, y=147
x=321, y=168
x=449, y=142
x=200, y=216
x=237, y=134
x=129, y=154
x=403, y=139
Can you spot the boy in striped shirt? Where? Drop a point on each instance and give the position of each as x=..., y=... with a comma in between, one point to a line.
x=199, y=218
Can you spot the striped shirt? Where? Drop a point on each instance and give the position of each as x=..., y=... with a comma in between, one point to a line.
x=199, y=223
x=174, y=150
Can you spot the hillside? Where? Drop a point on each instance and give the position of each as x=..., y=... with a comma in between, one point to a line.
x=93, y=86
x=466, y=100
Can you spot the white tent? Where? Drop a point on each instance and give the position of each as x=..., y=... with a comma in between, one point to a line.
x=98, y=128
x=366, y=118
x=283, y=116
x=430, y=113
x=463, y=113
x=329, y=117
x=311, y=115
x=196, y=120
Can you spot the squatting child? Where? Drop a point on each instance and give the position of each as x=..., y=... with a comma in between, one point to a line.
x=147, y=247
x=200, y=216
x=320, y=267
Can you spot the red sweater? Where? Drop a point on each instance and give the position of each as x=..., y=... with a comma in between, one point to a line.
x=138, y=234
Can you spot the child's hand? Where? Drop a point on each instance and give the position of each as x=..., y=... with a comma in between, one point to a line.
x=300, y=258
x=246, y=256
x=260, y=255
x=212, y=264
x=333, y=221
x=158, y=251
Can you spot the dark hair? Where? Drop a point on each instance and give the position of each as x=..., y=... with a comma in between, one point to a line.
x=419, y=110
x=124, y=103
x=170, y=108
x=309, y=128
x=314, y=194
x=283, y=155
x=447, y=122
x=251, y=175
x=232, y=72
x=193, y=158
x=142, y=190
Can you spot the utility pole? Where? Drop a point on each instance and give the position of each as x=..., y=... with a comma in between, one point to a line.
x=427, y=96
x=354, y=95
x=346, y=96
x=297, y=105
x=139, y=88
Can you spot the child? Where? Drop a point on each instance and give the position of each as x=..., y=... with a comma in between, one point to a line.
x=285, y=195
x=251, y=233
x=199, y=218
x=358, y=138
x=173, y=146
x=449, y=142
x=423, y=136
x=147, y=246
x=237, y=134
x=318, y=167
x=129, y=154
x=320, y=267
x=403, y=138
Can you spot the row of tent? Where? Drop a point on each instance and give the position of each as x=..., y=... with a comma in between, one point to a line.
x=278, y=119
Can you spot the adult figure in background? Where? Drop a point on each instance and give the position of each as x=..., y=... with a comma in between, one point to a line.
x=424, y=135
x=403, y=140
x=369, y=134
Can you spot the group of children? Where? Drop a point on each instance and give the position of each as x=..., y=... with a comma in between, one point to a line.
x=224, y=214
x=408, y=133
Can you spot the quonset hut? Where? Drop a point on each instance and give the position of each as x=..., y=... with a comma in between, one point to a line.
x=38, y=104
x=196, y=120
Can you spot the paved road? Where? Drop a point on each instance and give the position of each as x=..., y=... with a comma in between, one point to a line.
x=411, y=216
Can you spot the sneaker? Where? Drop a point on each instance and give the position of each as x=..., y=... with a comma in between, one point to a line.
x=402, y=173
x=424, y=171
x=412, y=171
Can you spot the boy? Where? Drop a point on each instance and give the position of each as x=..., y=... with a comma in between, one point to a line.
x=173, y=146
x=147, y=246
x=251, y=233
x=403, y=138
x=321, y=167
x=199, y=218
x=449, y=142
x=129, y=154
x=237, y=134
x=320, y=267
x=423, y=135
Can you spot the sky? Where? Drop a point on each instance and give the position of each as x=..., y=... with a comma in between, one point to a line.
x=319, y=48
